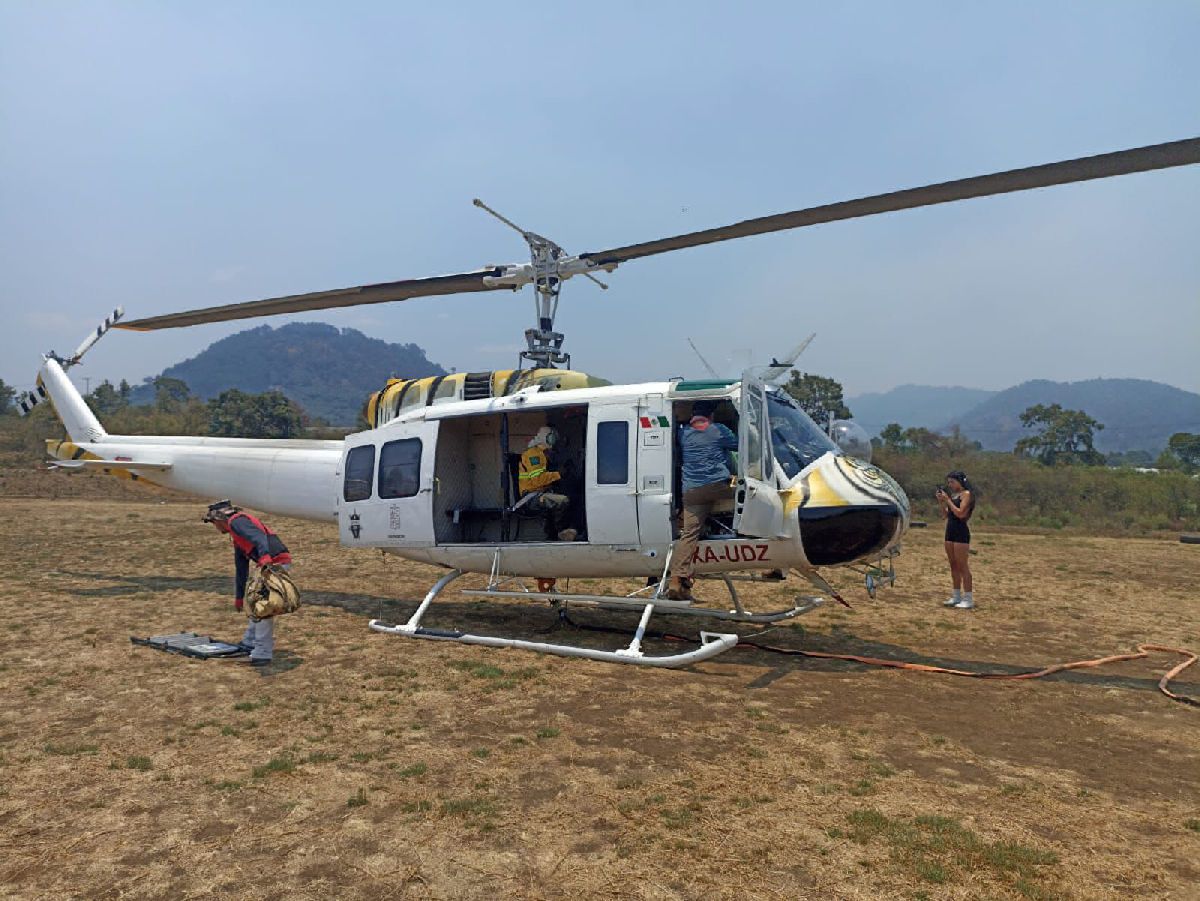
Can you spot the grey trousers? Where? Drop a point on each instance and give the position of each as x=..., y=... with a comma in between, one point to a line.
x=260, y=635
x=260, y=638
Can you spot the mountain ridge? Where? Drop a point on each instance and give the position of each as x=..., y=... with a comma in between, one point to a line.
x=1137, y=414
x=926, y=406
x=328, y=371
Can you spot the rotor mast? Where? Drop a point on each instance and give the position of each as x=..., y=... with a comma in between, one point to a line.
x=548, y=264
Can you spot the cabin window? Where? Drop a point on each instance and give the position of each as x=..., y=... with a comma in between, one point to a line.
x=413, y=397
x=446, y=389
x=612, y=453
x=360, y=470
x=400, y=468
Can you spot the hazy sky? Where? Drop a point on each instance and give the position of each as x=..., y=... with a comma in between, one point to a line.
x=165, y=156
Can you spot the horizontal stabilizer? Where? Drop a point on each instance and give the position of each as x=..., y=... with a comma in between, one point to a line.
x=107, y=464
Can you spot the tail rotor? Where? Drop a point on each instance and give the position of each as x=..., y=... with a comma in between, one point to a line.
x=72, y=406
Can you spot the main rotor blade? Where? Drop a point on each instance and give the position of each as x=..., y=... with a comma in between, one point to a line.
x=1106, y=165
x=324, y=300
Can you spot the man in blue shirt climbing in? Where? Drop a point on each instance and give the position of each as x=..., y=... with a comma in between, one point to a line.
x=704, y=448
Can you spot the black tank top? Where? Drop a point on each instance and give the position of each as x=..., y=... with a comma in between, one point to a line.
x=956, y=529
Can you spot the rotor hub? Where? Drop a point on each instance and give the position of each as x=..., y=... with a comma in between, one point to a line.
x=548, y=268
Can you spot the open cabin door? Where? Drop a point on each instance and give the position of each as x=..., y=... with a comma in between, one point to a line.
x=758, y=508
x=387, y=488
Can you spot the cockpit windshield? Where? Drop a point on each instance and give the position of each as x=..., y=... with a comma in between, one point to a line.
x=795, y=438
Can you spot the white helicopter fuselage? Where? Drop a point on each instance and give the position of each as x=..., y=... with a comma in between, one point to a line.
x=438, y=483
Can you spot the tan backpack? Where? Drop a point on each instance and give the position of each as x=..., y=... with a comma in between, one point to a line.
x=271, y=592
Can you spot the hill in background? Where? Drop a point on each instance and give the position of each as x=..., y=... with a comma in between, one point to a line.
x=1137, y=413
x=327, y=370
x=914, y=405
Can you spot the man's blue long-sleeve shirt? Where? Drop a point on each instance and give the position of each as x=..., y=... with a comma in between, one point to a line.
x=705, y=454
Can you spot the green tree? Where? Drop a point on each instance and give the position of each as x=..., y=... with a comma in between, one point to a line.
x=105, y=399
x=7, y=393
x=170, y=395
x=1183, y=452
x=236, y=414
x=892, y=436
x=818, y=396
x=923, y=441
x=1133, y=458
x=1064, y=437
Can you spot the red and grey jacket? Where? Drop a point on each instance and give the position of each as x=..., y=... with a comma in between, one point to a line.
x=253, y=540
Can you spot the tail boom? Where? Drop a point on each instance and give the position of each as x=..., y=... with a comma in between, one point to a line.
x=290, y=478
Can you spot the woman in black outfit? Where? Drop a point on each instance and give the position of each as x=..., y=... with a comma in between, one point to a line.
x=957, y=507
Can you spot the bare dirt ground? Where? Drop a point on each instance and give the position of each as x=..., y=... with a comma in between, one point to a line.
x=366, y=766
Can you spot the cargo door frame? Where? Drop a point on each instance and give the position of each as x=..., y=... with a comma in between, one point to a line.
x=655, y=484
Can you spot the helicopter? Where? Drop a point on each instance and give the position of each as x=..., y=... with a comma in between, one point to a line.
x=436, y=476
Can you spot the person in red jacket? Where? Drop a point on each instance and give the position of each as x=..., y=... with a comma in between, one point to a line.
x=253, y=541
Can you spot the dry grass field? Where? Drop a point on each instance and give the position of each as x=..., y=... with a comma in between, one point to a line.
x=366, y=766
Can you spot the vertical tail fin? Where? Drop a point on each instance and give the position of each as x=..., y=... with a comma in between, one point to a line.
x=81, y=423
x=52, y=382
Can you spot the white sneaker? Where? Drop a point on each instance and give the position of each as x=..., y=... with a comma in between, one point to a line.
x=967, y=603
x=953, y=600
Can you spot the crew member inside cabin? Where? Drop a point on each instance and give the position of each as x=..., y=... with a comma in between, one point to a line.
x=704, y=448
x=253, y=542
x=537, y=477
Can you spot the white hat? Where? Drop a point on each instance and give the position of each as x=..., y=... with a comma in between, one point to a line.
x=546, y=435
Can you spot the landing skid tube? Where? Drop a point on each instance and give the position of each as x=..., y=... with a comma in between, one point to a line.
x=711, y=643
x=611, y=602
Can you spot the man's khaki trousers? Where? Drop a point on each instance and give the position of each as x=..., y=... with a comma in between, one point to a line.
x=698, y=503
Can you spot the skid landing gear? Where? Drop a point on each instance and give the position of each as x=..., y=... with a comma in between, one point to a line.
x=711, y=643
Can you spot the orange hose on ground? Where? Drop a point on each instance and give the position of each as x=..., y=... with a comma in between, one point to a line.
x=1143, y=651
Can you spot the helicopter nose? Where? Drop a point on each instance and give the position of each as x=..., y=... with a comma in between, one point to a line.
x=833, y=535
x=848, y=510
